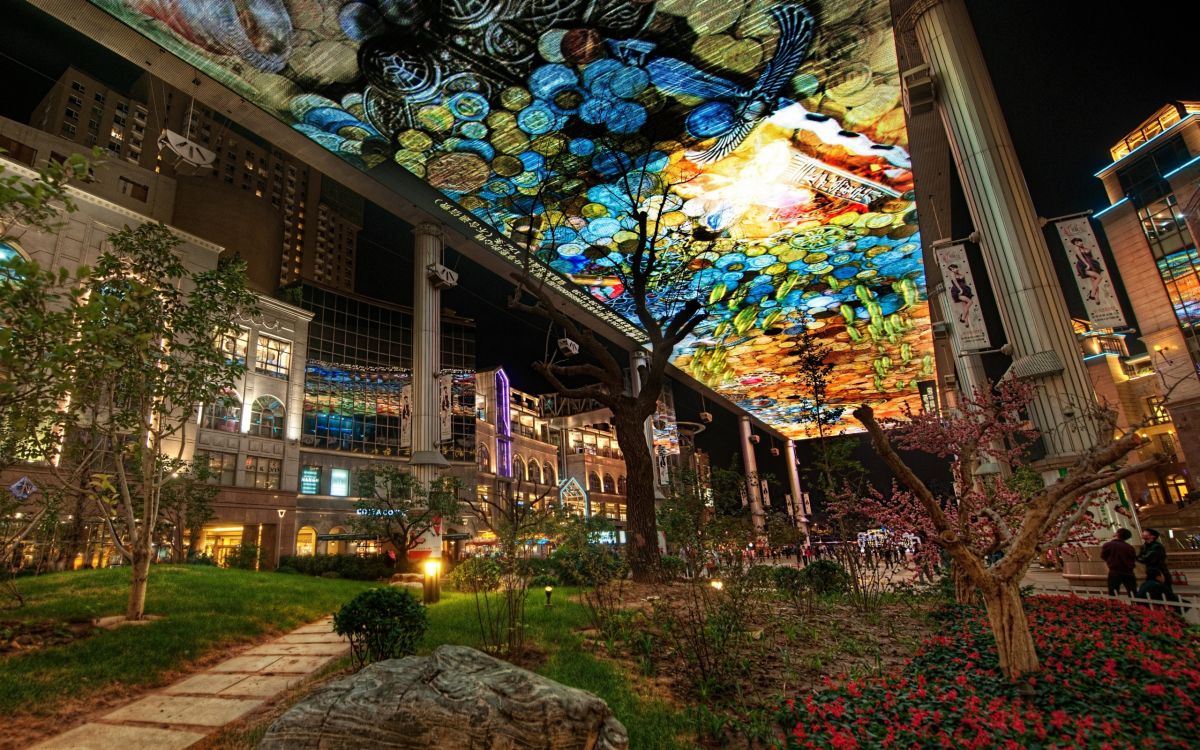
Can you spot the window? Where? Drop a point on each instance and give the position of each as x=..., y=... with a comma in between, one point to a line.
x=1157, y=410
x=263, y=473
x=72, y=114
x=1166, y=444
x=222, y=467
x=75, y=101
x=100, y=97
x=622, y=486
x=18, y=151
x=134, y=190
x=266, y=417
x=68, y=130
x=535, y=471
x=273, y=357
x=485, y=459
x=594, y=482
x=77, y=86
x=223, y=414
x=518, y=468
x=610, y=485
x=234, y=345
x=306, y=541
x=548, y=474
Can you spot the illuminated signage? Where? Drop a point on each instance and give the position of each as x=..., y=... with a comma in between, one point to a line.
x=310, y=480
x=339, y=482
x=766, y=141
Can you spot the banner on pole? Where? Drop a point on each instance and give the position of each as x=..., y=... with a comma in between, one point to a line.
x=445, y=405
x=1091, y=274
x=965, y=313
x=406, y=416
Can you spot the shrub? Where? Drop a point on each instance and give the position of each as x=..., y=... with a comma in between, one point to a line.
x=331, y=574
x=542, y=580
x=825, y=577
x=586, y=565
x=381, y=623
x=243, y=557
x=354, y=567
x=672, y=567
x=286, y=569
x=788, y=580
x=475, y=575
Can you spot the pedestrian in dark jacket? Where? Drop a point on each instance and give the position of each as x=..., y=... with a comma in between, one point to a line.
x=1120, y=557
x=1158, y=576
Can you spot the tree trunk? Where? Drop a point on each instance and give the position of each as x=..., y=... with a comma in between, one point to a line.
x=642, y=526
x=964, y=587
x=139, y=576
x=1014, y=642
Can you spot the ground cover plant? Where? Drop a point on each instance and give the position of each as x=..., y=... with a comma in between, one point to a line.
x=1114, y=676
x=198, y=613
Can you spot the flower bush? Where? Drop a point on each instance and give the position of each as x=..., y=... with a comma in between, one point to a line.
x=1114, y=676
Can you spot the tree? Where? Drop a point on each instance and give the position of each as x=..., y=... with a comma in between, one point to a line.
x=186, y=503
x=395, y=507
x=146, y=347
x=989, y=515
x=650, y=266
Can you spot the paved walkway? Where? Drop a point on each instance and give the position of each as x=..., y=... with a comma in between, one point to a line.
x=181, y=714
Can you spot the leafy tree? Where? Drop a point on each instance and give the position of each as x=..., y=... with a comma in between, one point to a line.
x=990, y=515
x=395, y=507
x=187, y=499
x=146, y=358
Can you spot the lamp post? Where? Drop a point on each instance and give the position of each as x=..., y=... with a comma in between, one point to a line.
x=279, y=536
x=432, y=589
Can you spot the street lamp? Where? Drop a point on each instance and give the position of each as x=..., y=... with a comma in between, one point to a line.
x=279, y=537
x=431, y=590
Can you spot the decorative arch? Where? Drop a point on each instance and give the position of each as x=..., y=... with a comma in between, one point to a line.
x=267, y=417
x=610, y=485
x=484, y=457
x=594, y=484
x=306, y=541
x=622, y=485
x=518, y=468
x=535, y=471
x=549, y=476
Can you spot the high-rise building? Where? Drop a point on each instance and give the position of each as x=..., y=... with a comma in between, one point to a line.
x=86, y=111
x=1153, y=224
x=320, y=218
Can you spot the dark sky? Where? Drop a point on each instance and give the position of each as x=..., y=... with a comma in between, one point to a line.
x=1072, y=79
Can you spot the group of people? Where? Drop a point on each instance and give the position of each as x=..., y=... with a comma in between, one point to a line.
x=1121, y=557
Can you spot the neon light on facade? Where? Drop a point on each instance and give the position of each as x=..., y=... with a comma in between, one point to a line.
x=503, y=426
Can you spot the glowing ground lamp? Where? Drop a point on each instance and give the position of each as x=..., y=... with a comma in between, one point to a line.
x=432, y=588
x=717, y=585
x=549, y=593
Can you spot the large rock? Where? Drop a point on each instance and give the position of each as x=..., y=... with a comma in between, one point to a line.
x=456, y=698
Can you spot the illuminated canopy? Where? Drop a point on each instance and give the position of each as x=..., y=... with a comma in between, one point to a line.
x=765, y=139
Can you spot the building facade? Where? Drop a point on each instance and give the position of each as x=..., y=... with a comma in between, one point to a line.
x=1152, y=224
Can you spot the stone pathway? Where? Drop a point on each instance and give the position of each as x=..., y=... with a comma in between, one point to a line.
x=181, y=714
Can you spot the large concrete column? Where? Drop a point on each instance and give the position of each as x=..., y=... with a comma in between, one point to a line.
x=753, y=488
x=427, y=461
x=802, y=511
x=1018, y=263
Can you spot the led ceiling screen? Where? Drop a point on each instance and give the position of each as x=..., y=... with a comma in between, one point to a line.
x=766, y=139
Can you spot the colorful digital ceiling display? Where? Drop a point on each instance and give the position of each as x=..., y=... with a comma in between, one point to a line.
x=766, y=139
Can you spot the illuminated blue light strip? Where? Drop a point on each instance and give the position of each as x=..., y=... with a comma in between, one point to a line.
x=1098, y=214
x=1180, y=168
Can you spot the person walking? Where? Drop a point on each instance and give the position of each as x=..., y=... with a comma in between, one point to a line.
x=1158, y=576
x=1120, y=556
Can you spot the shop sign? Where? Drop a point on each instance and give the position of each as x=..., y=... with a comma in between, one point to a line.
x=339, y=482
x=310, y=480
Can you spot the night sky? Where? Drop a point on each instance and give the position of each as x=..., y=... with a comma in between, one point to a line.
x=1072, y=79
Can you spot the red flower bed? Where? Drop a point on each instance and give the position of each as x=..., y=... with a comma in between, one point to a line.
x=1114, y=676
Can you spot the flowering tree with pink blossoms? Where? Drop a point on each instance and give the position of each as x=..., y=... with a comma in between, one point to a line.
x=986, y=442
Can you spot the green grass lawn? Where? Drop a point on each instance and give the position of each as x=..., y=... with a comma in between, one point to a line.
x=203, y=610
x=653, y=724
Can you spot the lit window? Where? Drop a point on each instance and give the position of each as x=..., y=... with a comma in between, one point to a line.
x=273, y=357
x=224, y=413
x=266, y=417
x=263, y=473
x=221, y=469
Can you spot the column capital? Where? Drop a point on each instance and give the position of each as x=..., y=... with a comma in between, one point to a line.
x=429, y=229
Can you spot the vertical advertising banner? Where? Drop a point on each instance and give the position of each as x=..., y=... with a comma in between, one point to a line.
x=1090, y=272
x=406, y=416
x=965, y=313
x=445, y=405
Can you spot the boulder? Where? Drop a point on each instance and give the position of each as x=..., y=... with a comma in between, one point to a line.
x=456, y=698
